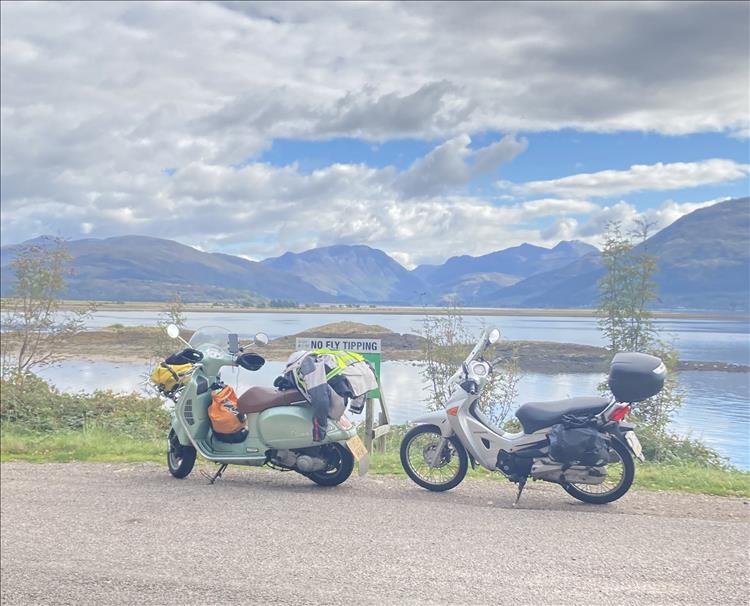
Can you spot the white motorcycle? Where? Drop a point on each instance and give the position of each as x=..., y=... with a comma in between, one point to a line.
x=583, y=444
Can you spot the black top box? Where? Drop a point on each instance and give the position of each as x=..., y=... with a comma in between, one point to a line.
x=635, y=376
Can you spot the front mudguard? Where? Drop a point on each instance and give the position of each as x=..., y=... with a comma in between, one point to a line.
x=439, y=419
x=182, y=434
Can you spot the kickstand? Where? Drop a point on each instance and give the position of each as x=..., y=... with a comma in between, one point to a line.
x=521, y=484
x=217, y=475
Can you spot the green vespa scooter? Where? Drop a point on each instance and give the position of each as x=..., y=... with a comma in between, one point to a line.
x=279, y=423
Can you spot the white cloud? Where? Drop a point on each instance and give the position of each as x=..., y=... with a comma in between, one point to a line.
x=454, y=164
x=98, y=99
x=652, y=177
x=595, y=223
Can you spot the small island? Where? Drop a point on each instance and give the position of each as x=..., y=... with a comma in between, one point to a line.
x=134, y=344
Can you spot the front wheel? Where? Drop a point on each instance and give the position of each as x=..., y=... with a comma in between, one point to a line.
x=620, y=475
x=428, y=468
x=180, y=459
x=340, y=465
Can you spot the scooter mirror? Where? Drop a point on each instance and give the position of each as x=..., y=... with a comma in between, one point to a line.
x=494, y=336
x=173, y=332
x=261, y=338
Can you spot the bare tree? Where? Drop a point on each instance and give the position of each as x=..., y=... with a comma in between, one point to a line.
x=173, y=314
x=33, y=325
x=447, y=343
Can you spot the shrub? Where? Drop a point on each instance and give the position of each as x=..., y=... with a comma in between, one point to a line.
x=29, y=401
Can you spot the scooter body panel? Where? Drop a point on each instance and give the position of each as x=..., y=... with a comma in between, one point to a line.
x=282, y=427
x=480, y=441
x=286, y=427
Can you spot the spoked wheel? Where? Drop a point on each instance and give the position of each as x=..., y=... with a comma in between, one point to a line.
x=340, y=465
x=620, y=473
x=180, y=459
x=428, y=468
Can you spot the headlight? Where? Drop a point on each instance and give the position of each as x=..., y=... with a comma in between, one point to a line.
x=480, y=370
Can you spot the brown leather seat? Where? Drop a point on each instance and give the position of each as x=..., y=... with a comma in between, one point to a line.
x=257, y=399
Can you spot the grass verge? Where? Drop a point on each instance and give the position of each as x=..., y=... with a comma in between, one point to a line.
x=94, y=445
x=99, y=445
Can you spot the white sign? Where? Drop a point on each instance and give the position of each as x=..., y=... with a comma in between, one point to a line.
x=371, y=346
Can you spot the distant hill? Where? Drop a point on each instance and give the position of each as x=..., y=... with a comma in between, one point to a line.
x=140, y=268
x=704, y=258
x=359, y=272
x=472, y=279
x=703, y=262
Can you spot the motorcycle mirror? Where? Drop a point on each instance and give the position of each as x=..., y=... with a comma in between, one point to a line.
x=494, y=336
x=234, y=343
x=261, y=338
x=173, y=332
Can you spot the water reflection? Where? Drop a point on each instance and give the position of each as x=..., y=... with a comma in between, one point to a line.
x=717, y=404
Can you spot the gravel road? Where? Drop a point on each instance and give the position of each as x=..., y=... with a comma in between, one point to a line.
x=130, y=534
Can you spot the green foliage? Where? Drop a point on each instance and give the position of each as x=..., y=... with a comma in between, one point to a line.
x=666, y=447
x=282, y=304
x=30, y=402
x=626, y=290
x=447, y=343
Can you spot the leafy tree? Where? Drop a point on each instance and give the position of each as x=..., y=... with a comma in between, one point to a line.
x=626, y=291
x=446, y=345
x=34, y=326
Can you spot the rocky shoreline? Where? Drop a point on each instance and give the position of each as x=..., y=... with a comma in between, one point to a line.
x=137, y=344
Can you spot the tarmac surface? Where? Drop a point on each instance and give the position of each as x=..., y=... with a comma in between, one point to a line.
x=131, y=534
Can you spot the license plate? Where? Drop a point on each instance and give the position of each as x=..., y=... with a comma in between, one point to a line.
x=635, y=444
x=344, y=423
x=357, y=447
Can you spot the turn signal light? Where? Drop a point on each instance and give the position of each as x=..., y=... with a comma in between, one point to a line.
x=619, y=414
x=453, y=411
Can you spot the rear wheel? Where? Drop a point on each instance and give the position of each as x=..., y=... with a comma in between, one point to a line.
x=180, y=459
x=620, y=474
x=340, y=465
x=428, y=468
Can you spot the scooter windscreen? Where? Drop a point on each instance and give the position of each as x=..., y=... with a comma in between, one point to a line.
x=210, y=335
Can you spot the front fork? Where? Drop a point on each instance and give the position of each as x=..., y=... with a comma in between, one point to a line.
x=438, y=454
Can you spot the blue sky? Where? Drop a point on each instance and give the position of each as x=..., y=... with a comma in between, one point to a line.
x=549, y=155
x=424, y=129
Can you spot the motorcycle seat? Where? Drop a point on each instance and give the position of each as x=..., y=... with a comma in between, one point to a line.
x=258, y=399
x=538, y=415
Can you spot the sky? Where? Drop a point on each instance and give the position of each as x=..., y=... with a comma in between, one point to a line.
x=427, y=130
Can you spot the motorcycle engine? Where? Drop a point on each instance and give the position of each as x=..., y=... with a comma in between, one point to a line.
x=299, y=462
x=550, y=471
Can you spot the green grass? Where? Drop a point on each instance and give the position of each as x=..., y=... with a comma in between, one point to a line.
x=103, y=446
x=689, y=477
x=93, y=445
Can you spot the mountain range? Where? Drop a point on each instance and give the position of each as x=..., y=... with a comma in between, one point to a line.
x=703, y=262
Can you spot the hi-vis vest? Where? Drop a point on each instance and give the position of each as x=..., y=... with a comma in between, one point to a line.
x=344, y=374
